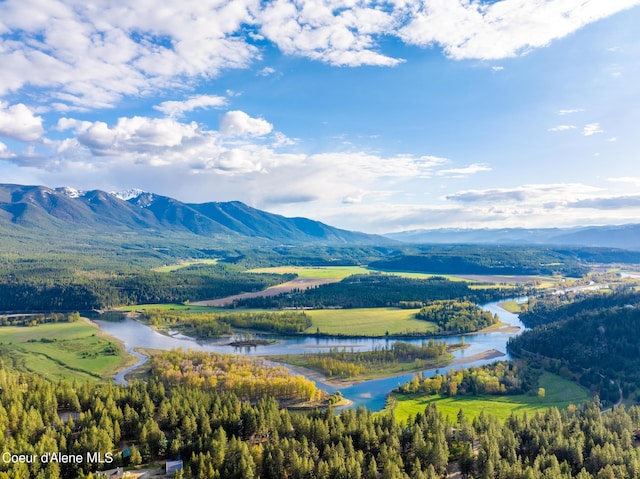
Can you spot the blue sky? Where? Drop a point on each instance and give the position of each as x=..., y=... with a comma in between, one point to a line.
x=368, y=115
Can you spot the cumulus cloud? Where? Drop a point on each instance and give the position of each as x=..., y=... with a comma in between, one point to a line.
x=562, y=128
x=19, y=123
x=591, y=129
x=179, y=108
x=92, y=55
x=135, y=135
x=475, y=30
x=238, y=123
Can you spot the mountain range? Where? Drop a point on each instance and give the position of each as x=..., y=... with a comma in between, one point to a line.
x=34, y=213
x=51, y=212
x=610, y=236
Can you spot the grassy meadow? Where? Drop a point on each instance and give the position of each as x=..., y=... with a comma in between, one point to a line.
x=75, y=350
x=559, y=393
x=183, y=264
x=367, y=322
x=314, y=272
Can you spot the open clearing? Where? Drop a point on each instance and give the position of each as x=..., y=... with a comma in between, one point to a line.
x=314, y=272
x=184, y=264
x=340, y=272
x=299, y=283
x=367, y=322
x=79, y=351
x=559, y=393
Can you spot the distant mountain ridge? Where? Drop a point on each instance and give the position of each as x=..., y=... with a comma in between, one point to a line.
x=44, y=210
x=612, y=236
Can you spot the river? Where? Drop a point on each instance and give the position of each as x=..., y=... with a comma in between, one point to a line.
x=371, y=394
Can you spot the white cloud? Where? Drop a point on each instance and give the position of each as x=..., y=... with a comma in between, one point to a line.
x=339, y=33
x=633, y=180
x=178, y=108
x=19, y=123
x=266, y=71
x=570, y=111
x=534, y=194
x=497, y=68
x=591, y=129
x=465, y=171
x=562, y=128
x=471, y=29
x=94, y=54
x=238, y=123
x=135, y=135
x=4, y=151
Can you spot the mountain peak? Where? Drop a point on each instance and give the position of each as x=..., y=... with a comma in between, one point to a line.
x=129, y=194
x=70, y=192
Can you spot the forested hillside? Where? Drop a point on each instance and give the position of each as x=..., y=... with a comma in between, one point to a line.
x=57, y=286
x=220, y=436
x=594, y=339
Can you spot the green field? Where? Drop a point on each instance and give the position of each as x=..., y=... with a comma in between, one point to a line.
x=183, y=264
x=314, y=272
x=341, y=272
x=62, y=350
x=367, y=322
x=559, y=393
x=511, y=306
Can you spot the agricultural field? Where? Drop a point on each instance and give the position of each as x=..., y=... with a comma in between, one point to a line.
x=559, y=393
x=183, y=264
x=341, y=272
x=314, y=272
x=70, y=351
x=367, y=322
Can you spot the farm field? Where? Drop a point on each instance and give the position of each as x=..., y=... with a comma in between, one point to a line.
x=183, y=264
x=367, y=322
x=559, y=393
x=341, y=272
x=79, y=351
x=314, y=272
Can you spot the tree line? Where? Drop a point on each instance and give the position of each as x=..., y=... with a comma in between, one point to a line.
x=221, y=436
x=454, y=316
x=42, y=287
x=376, y=291
x=209, y=325
x=500, y=378
x=349, y=364
x=594, y=340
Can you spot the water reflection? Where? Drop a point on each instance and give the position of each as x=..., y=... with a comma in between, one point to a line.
x=367, y=393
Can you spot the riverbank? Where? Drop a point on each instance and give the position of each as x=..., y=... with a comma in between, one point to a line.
x=366, y=370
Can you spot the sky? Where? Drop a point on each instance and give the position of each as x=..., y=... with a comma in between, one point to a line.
x=376, y=116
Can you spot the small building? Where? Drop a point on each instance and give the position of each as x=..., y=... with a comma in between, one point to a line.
x=173, y=466
x=117, y=473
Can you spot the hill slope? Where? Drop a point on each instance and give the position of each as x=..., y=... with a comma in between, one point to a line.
x=45, y=212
